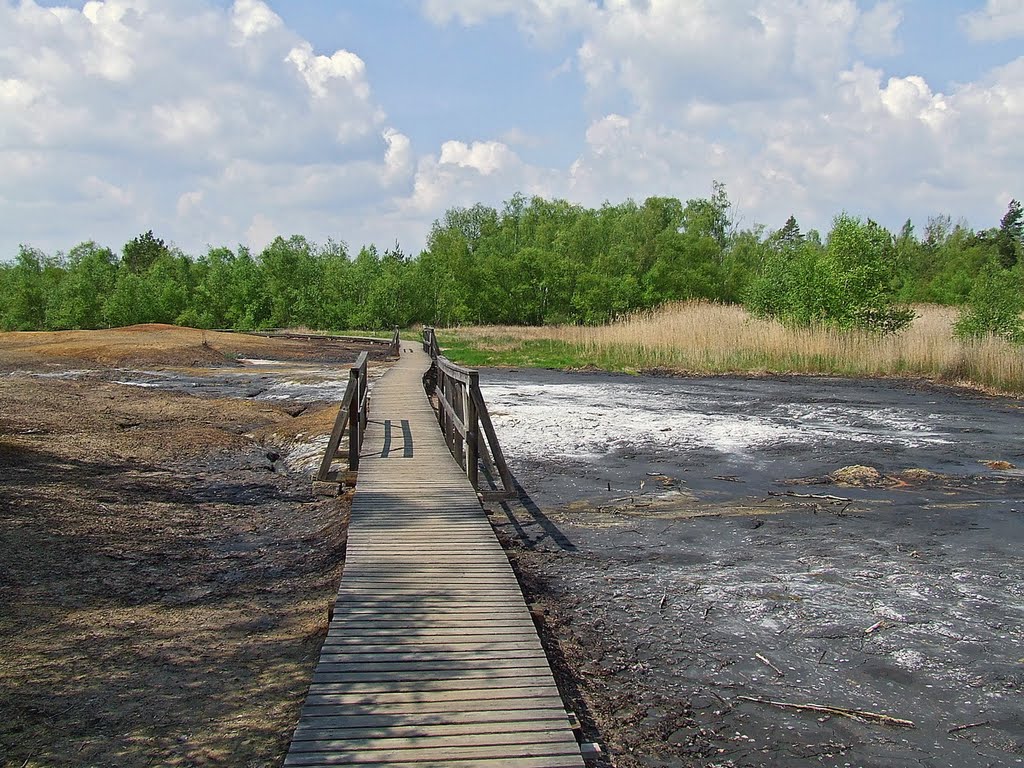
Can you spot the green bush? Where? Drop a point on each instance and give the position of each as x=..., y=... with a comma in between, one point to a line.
x=850, y=282
x=993, y=307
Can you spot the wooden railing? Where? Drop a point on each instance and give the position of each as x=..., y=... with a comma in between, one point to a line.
x=352, y=416
x=430, y=343
x=393, y=343
x=466, y=424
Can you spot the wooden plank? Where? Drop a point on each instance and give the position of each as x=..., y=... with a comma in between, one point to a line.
x=485, y=718
x=385, y=592
x=550, y=761
x=426, y=640
x=526, y=691
x=446, y=755
x=384, y=644
x=473, y=738
x=444, y=680
x=332, y=671
x=497, y=620
x=370, y=659
x=348, y=625
x=436, y=704
x=438, y=635
x=471, y=614
x=387, y=729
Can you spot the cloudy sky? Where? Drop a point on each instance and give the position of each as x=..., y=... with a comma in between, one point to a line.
x=227, y=122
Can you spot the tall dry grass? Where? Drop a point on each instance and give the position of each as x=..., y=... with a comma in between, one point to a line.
x=713, y=338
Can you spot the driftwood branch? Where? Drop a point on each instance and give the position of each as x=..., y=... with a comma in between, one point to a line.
x=854, y=714
x=818, y=496
x=767, y=663
x=957, y=728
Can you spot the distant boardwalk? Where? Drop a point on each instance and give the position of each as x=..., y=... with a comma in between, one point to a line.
x=432, y=658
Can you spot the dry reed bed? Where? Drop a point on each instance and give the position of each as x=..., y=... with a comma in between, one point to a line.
x=712, y=338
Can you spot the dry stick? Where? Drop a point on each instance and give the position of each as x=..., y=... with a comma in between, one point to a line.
x=854, y=714
x=873, y=627
x=823, y=496
x=956, y=728
x=767, y=663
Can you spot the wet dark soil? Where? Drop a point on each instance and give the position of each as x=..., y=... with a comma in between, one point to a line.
x=686, y=585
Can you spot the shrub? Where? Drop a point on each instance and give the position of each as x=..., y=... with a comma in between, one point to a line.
x=994, y=307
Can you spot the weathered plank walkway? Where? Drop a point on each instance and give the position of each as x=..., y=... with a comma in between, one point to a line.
x=431, y=658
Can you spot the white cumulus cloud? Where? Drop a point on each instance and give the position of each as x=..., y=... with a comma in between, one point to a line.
x=201, y=122
x=785, y=102
x=998, y=20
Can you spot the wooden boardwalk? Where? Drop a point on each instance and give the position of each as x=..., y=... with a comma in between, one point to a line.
x=432, y=658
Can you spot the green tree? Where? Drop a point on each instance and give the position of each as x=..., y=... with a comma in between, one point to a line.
x=131, y=302
x=388, y=301
x=170, y=284
x=294, y=281
x=77, y=302
x=850, y=283
x=1008, y=239
x=339, y=298
x=24, y=305
x=140, y=253
x=709, y=217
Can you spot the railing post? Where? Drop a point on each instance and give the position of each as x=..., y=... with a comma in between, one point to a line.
x=442, y=414
x=459, y=406
x=472, y=431
x=354, y=421
x=449, y=422
x=364, y=407
x=430, y=342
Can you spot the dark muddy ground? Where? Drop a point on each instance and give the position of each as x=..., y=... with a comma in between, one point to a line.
x=165, y=569
x=716, y=567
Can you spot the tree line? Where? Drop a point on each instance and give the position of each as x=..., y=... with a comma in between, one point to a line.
x=538, y=261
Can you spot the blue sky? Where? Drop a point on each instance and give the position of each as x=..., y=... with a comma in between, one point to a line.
x=228, y=122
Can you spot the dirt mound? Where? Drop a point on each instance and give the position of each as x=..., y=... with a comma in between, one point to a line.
x=916, y=474
x=155, y=345
x=999, y=465
x=857, y=474
x=138, y=345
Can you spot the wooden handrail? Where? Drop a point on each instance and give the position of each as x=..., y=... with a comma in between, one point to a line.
x=466, y=423
x=351, y=416
x=283, y=333
x=430, y=343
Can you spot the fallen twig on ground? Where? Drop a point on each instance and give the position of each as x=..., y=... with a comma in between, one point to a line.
x=854, y=714
x=956, y=728
x=820, y=496
x=767, y=663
